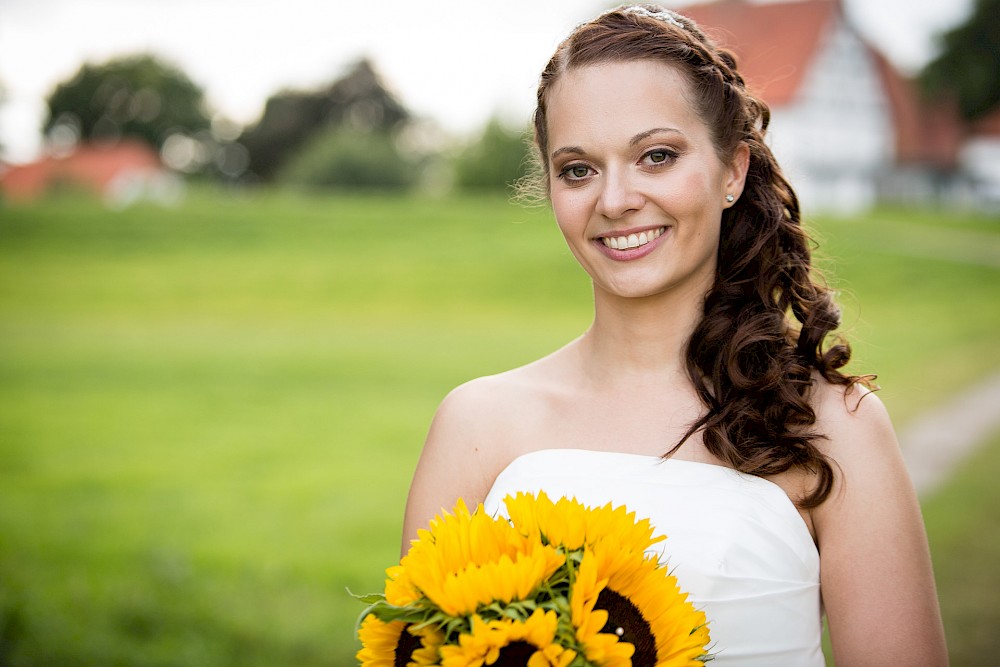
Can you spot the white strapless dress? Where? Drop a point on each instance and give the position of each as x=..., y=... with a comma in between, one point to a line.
x=735, y=542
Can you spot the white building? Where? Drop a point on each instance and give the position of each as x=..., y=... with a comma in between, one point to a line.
x=846, y=127
x=980, y=159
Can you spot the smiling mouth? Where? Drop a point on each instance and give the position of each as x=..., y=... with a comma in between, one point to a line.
x=632, y=240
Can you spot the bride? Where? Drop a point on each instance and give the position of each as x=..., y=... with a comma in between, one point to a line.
x=705, y=395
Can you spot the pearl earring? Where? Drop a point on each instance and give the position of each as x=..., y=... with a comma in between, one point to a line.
x=730, y=198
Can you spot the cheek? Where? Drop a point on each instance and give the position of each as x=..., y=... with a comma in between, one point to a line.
x=695, y=200
x=696, y=191
x=571, y=211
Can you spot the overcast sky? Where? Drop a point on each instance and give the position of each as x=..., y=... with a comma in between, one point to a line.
x=453, y=61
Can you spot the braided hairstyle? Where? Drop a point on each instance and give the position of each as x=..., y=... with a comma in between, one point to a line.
x=753, y=355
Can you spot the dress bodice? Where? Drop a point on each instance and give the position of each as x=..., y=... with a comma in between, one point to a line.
x=735, y=542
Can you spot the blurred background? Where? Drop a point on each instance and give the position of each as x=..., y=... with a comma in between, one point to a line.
x=247, y=247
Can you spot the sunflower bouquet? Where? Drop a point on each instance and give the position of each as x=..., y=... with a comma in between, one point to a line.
x=558, y=584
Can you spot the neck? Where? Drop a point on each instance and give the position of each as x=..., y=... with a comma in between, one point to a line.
x=640, y=339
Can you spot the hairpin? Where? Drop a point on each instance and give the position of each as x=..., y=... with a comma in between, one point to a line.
x=665, y=15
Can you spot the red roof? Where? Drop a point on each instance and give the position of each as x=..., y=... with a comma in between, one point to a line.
x=91, y=167
x=927, y=131
x=774, y=43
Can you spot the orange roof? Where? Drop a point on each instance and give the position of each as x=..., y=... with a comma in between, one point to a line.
x=927, y=131
x=774, y=42
x=90, y=166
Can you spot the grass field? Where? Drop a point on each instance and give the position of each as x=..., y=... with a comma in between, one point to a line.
x=963, y=524
x=209, y=415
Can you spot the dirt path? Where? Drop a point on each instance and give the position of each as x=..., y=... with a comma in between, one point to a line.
x=936, y=443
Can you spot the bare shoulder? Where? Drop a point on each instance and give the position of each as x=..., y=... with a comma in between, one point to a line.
x=482, y=403
x=475, y=432
x=473, y=421
x=484, y=415
x=860, y=442
x=854, y=422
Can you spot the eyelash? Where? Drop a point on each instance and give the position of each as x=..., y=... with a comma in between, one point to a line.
x=669, y=157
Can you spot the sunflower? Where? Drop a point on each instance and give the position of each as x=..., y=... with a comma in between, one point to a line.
x=429, y=652
x=556, y=583
x=466, y=560
x=397, y=644
x=601, y=648
x=572, y=525
x=399, y=588
x=505, y=580
x=456, y=540
x=511, y=643
x=644, y=608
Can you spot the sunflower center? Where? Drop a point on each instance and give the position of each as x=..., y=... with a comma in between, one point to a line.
x=405, y=647
x=626, y=621
x=516, y=654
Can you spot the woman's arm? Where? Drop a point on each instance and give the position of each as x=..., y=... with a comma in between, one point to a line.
x=876, y=578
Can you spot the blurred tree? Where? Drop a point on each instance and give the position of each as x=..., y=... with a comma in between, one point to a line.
x=496, y=160
x=357, y=101
x=135, y=96
x=344, y=158
x=969, y=63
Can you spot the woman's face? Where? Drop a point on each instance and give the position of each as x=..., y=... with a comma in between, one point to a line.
x=635, y=182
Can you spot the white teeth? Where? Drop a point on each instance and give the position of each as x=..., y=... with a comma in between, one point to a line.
x=632, y=240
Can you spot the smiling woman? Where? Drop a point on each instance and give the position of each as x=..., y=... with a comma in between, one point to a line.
x=704, y=396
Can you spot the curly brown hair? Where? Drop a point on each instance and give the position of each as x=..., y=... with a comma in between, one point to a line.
x=751, y=365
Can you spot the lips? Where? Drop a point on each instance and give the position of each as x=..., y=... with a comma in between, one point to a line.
x=632, y=240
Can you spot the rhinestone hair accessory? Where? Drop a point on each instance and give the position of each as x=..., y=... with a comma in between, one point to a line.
x=665, y=15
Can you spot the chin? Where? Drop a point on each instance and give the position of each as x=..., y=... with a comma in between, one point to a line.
x=633, y=290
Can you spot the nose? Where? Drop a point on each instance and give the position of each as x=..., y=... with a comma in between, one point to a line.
x=618, y=195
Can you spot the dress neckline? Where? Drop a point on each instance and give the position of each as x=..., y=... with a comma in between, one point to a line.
x=605, y=452
x=713, y=467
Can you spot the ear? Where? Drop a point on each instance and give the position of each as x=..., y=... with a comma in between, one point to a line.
x=736, y=172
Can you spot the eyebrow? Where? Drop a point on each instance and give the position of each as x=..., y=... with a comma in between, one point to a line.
x=648, y=133
x=566, y=149
x=632, y=142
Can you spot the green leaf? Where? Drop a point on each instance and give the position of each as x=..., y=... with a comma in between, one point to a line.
x=370, y=598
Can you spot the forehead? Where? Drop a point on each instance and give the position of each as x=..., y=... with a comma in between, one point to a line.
x=619, y=100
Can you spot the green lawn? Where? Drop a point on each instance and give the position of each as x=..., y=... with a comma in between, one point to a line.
x=963, y=522
x=209, y=415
